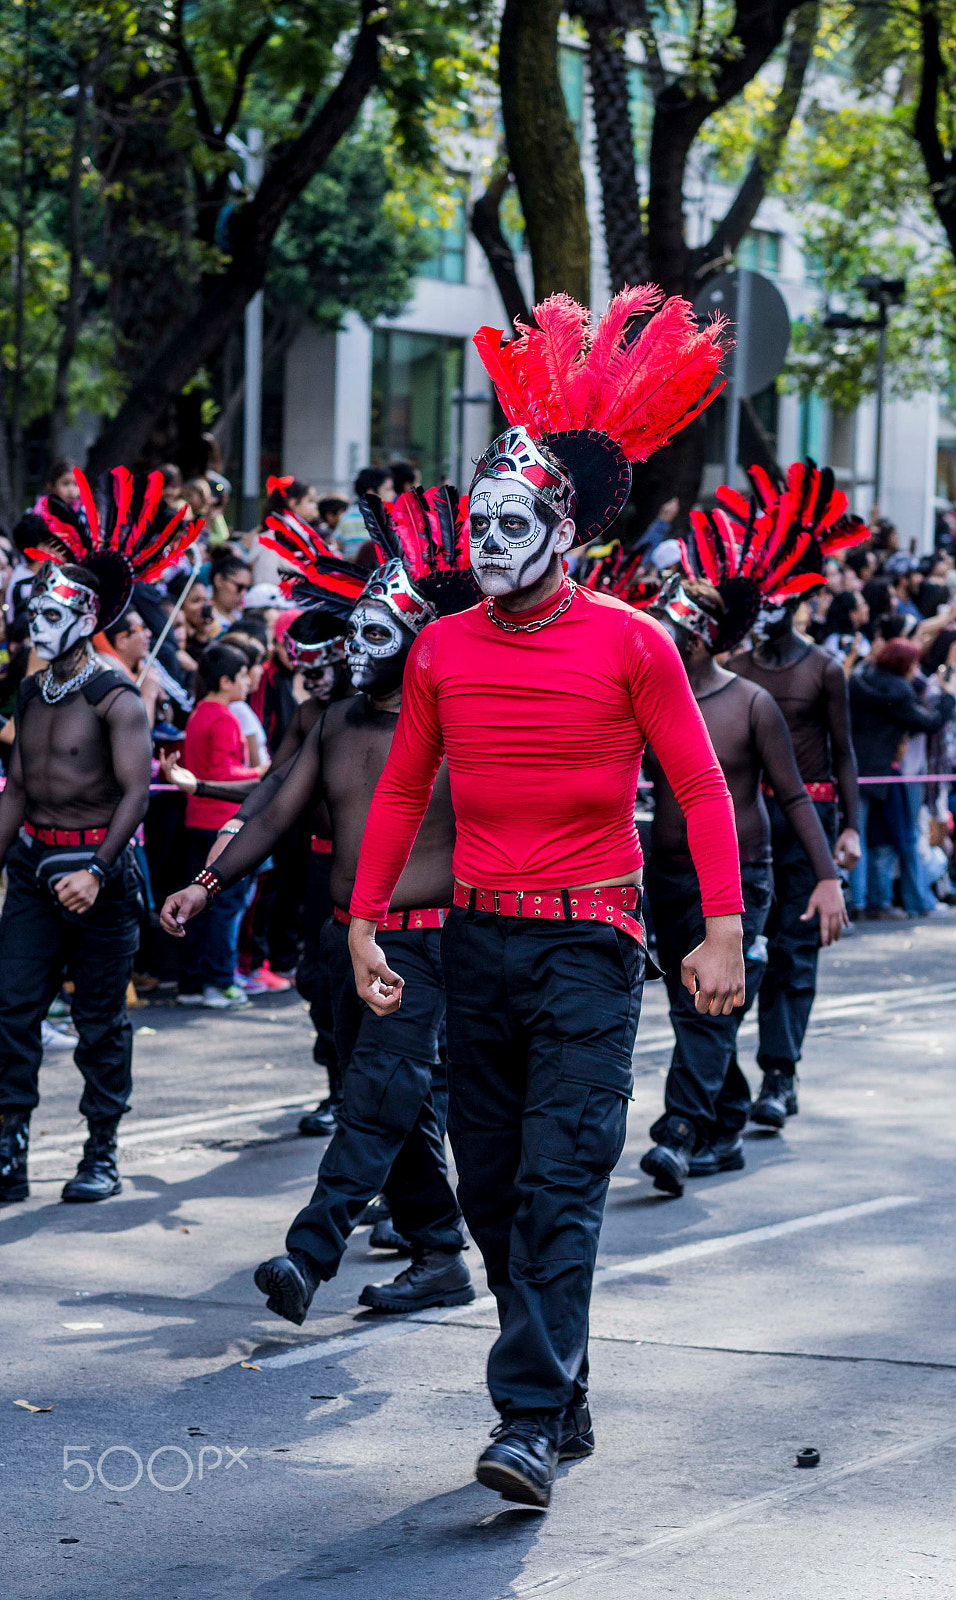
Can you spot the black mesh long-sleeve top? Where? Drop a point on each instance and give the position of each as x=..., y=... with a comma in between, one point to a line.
x=752, y=743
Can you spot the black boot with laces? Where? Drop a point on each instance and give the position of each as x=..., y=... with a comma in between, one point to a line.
x=521, y=1460
x=97, y=1176
x=14, y=1142
x=435, y=1278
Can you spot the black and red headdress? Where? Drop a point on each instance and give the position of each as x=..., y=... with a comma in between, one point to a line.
x=771, y=548
x=122, y=536
x=584, y=400
x=421, y=540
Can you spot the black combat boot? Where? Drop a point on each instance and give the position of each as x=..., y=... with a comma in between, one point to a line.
x=14, y=1142
x=668, y=1161
x=97, y=1176
x=320, y=1123
x=435, y=1278
x=288, y=1282
x=726, y=1154
x=777, y=1099
x=520, y=1462
x=575, y=1433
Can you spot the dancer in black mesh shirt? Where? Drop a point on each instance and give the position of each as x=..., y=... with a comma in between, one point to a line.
x=810, y=688
x=77, y=789
x=315, y=641
x=706, y=1096
x=390, y=1132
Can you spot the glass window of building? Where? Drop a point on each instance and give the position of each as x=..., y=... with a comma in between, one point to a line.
x=416, y=404
x=571, y=73
x=760, y=251
x=641, y=106
x=448, y=235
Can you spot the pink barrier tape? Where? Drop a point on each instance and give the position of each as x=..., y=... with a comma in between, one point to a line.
x=891, y=777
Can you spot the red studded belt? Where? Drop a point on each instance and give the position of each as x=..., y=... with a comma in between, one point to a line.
x=65, y=835
x=618, y=904
x=321, y=847
x=816, y=791
x=401, y=921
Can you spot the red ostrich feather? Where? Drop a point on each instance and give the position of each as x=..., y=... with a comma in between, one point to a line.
x=569, y=373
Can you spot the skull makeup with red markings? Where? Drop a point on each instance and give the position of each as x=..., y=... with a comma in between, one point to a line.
x=521, y=511
x=62, y=612
x=387, y=618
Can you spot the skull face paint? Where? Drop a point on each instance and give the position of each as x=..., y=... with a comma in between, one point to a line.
x=61, y=613
x=511, y=543
x=773, y=621
x=376, y=648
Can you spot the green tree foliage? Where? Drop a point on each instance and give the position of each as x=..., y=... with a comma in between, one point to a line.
x=856, y=179
x=115, y=122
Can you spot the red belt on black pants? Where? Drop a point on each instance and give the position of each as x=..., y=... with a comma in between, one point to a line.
x=321, y=847
x=402, y=921
x=618, y=904
x=816, y=791
x=65, y=835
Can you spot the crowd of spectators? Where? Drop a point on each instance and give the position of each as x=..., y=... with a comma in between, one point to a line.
x=222, y=688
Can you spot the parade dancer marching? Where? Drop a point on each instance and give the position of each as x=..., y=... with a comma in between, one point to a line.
x=541, y=700
x=707, y=612
x=76, y=791
x=390, y=1132
x=810, y=688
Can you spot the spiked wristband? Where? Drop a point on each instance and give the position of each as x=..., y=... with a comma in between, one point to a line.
x=210, y=881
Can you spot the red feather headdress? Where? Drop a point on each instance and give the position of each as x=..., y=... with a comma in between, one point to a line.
x=122, y=540
x=421, y=540
x=809, y=501
x=595, y=400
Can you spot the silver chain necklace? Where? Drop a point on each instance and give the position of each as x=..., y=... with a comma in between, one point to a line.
x=52, y=691
x=532, y=627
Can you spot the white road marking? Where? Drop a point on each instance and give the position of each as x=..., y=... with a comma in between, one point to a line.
x=804, y=1483
x=177, y=1127
x=650, y=1041
x=694, y=1251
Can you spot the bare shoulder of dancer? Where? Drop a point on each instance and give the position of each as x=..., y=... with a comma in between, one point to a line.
x=375, y=982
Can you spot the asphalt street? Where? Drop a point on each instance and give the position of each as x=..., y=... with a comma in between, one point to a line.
x=187, y=1445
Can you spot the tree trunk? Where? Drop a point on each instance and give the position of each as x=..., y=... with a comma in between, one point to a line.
x=486, y=227
x=17, y=457
x=226, y=296
x=940, y=164
x=614, y=138
x=543, y=150
x=72, y=308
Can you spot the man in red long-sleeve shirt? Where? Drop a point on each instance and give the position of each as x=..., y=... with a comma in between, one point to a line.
x=541, y=700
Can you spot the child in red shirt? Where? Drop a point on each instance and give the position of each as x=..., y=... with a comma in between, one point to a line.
x=214, y=750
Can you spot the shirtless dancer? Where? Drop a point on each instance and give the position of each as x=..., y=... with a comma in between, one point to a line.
x=810, y=688
x=390, y=1128
x=707, y=612
x=77, y=789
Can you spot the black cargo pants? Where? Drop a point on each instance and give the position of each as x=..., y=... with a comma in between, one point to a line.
x=541, y=1027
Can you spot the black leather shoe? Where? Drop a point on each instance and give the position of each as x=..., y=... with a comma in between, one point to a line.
x=776, y=1101
x=318, y=1124
x=724, y=1155
x=14, y=1142
x=97, y=1176
x=433, y=1279
x=520, y=1462
x=385, y=1236
x=668, y=1165
x=288, y=1282
x=576, y=1438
